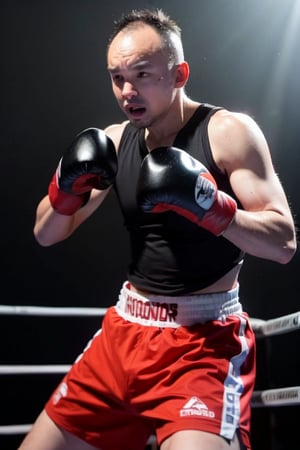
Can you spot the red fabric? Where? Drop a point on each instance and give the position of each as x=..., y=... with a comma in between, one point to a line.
x=132, y=380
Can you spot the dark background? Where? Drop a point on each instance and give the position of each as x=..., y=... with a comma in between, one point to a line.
x=244, y=55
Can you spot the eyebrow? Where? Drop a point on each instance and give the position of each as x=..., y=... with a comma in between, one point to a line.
x=136, y=66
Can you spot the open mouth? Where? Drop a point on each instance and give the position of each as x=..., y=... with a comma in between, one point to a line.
x=136, y=111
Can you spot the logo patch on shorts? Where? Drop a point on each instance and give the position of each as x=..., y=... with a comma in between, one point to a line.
x=196, y=407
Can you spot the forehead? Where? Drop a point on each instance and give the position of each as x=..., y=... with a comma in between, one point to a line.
x=134, y=44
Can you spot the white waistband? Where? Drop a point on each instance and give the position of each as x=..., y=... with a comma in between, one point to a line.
x=172, y=312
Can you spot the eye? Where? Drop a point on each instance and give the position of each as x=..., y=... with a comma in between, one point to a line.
x=117, y=78
x=143, y=74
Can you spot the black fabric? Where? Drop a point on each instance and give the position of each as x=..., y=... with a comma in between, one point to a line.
x=170, y=255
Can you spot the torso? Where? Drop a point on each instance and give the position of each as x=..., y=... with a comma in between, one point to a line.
x=127, y=171
x=226, y=283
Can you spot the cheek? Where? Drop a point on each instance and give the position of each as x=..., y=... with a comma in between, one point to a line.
x=162, y=88
x=165, y=89
x=117, y=92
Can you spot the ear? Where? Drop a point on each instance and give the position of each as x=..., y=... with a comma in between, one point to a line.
x=182, y=74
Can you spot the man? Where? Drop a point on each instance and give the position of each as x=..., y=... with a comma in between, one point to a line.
x=196, y=185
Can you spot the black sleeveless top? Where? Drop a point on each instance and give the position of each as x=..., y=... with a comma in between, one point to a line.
x=169, y=254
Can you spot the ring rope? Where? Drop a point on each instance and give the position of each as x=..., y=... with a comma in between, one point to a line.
x=282, y=324
x=33, y=369
x=267, y=398
x=279, y=325
x=263, y=398
x=15, y=429
x=50, y=311
x=276, y=397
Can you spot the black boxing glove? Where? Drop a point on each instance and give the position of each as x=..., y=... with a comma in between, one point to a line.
x=89, y=163
x=172, y=180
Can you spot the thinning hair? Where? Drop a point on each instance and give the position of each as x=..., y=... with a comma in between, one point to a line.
x=165, y=26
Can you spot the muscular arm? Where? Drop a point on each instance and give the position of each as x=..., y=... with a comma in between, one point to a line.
x=51, y=227
x=265, y=227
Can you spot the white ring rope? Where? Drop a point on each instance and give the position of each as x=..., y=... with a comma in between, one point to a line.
x=15, y=429
x=283, y=324
x=262, y=328
x=50, y=311
x=33, y=369
x=276, y=397
x=267, y=398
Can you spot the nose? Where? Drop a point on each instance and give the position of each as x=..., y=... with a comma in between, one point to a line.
x=128, y=90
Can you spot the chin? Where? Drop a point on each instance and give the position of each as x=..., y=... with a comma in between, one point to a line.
x=139, y=123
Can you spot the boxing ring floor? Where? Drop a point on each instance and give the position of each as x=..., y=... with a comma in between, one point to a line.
x=24, y=384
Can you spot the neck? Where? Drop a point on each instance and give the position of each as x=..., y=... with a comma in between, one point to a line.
x=164, y=133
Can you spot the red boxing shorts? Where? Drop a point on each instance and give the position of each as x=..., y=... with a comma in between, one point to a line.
x=161, y=365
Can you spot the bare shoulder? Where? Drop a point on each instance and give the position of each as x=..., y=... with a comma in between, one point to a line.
x=234, y=137
x=115, y=132
x=230, y=125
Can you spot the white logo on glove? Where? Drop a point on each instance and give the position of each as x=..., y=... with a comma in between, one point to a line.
x=205, y=192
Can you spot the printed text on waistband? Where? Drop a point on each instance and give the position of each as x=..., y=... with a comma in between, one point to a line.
x=163, y=312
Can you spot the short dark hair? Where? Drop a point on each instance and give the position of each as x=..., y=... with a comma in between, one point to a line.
x=156, y=18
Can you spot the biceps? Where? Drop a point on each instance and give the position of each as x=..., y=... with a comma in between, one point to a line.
x=257, y=193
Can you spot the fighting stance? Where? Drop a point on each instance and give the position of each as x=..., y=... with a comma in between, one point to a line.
x=175, y=356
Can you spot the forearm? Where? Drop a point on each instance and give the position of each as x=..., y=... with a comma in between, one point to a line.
x=51, y=227
x=265, y=234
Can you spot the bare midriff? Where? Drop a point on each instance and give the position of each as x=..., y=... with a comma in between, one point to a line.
x=226, y=283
